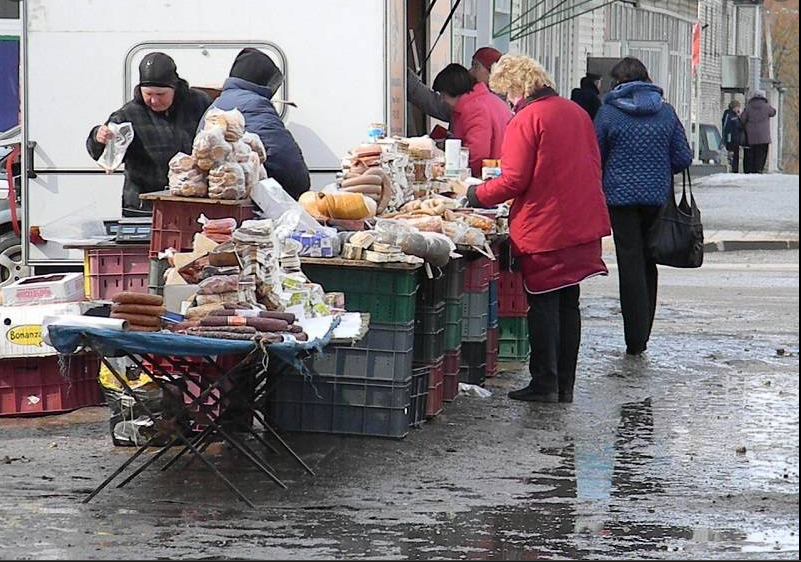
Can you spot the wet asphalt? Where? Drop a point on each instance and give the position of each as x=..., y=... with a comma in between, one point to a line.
x=689, y=452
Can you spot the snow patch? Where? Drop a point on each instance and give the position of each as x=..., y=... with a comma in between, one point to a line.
x=749, y=180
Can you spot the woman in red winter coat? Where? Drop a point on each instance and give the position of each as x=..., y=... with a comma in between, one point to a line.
x=551, y=167
x=479, y=117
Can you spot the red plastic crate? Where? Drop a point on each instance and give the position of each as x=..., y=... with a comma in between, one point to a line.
x=512, y=296
x=477, y=275
x=452, y=361
x=34, y=385
x=175, y=222
x=114, y=270
x=511, y=283
x=492, y=340
x=450, y=386
x=491, y=368
x=436, y=381
x=495, y=269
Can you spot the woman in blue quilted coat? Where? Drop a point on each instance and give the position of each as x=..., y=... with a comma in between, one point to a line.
x=642, y=144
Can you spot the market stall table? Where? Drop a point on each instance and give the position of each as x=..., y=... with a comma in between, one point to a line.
x=150, y=352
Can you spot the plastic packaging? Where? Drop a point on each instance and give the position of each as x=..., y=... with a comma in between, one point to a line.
x=185, y=178
x=114, y=152
x=219, y=284
x=210, y=148
x=227, y=181
x=232, y=122
x=254, y=142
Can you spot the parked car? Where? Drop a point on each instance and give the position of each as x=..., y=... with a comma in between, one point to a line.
x=11, y=265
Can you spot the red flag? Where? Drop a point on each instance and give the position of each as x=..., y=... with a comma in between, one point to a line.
x=696, y=46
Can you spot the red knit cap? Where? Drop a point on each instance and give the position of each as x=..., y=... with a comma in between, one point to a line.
x=487, y=56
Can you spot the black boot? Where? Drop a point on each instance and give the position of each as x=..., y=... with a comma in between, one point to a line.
x=531, y=394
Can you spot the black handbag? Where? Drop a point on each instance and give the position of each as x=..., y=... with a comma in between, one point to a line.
x=676, y=238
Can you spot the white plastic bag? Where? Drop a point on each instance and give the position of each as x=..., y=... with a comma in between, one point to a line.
x=115, y=149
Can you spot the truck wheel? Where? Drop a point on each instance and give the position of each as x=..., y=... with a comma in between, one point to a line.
x=11, y=267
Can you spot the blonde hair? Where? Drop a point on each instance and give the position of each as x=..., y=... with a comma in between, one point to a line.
x=518, y=75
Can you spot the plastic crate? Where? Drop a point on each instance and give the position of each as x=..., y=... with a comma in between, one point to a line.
x=513, y=329
x=432, y=291
x=342, y=406
x=477, y=275
x=429, y=346
x=419, y=395
x=454, y=279
x=475, y=305
x=453, y=335
x=473, y=374
x=493, y=290
x=450, y=386
x=492, y=340
x=512, y=350
x=175, y=222
x=493, y=316
x=473, y=354
x=495, y=265
x=436, y=380
x=512, y=296
x=384, y=354
x=474, y=329
x=383, y=309
x=348, y=280
x=491, y=369
x=113, y=270
x=453, y=310
x=430, y=319
x=35, y=385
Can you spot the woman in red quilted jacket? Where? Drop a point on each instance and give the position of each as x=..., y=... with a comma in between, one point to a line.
x=479, y=117
x=551, y=168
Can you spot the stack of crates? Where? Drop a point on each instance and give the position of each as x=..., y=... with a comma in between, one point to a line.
x=513, y=311
x=429, y=336
x=492, y=321
x=370, y=388
x=475, y=320
x=454, y=284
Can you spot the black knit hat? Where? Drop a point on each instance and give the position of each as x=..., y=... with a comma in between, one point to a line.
x=158, y=69
x=257, y=67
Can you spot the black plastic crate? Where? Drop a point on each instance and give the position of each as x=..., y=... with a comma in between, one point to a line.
x=430, y=319
x=342, y=406
x=429, y=346
x=432, y=290
x=473, y=374
x=454, y=278
x=419, y=395
x=474, y=354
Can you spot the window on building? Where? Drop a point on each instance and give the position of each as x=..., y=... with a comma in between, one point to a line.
x=9, y=9
x=501, y=17
x=465, y=32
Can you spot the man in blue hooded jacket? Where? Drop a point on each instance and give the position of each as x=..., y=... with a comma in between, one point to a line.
x=252, y=82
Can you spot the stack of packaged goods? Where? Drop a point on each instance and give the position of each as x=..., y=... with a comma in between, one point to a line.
x=475, y=320
x=454, y=288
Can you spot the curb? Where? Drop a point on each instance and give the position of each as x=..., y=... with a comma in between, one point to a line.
x=750, y=245
x=733, y=245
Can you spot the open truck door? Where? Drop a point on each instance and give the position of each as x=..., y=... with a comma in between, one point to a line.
x=80, y=60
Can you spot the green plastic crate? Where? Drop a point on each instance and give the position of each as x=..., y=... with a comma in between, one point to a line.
x=453, y=310
x=453, y=335
x=513, y=329
x=517, y=350
x=383, y=309
x=370, y=281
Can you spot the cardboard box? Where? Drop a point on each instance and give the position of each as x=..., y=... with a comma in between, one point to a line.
x=174, y=295
x=21, y=328
x=45, y=289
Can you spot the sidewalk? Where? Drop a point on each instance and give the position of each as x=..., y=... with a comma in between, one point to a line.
x=738, y=240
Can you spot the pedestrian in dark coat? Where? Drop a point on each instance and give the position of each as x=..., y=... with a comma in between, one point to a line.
x=588, y=95
x=732, y=134
x=642, y=144
x=756, y=122
x=551, y=168
x=253, y=81
x=164, y=113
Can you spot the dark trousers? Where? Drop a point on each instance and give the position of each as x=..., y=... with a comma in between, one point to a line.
x=554, y=331
x=734, y=158
x=636, y=271
x=756, y=156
